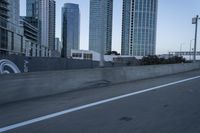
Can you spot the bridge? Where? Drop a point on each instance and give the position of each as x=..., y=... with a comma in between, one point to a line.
x=160, y=104
x=184, y=53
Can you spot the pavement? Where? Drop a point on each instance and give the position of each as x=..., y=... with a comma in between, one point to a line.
x=168, y=104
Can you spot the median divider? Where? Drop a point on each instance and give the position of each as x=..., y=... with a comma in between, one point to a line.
x=24, y=86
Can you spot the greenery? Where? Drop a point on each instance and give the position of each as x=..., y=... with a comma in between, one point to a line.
x=112, y=53
x=155, y=60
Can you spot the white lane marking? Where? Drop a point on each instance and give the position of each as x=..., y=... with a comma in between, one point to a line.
x=28, y=122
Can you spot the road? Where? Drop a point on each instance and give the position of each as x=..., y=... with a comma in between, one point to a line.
x=169, y=104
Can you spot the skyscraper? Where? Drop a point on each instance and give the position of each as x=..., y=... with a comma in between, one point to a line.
x=139, y=25
x=70, y=28
x=100, y=33
x=44, y=25
x=11, y=39
x=52, y=24
x=43, y=11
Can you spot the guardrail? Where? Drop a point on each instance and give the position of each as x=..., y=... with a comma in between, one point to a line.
x=25, y=86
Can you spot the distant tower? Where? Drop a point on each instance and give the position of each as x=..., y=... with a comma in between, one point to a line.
x=101, y=15
x=70, y=28
x=139, y=25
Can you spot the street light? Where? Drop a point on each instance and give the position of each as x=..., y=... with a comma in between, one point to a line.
x=195, y=21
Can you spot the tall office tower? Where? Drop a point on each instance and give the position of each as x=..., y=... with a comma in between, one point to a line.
x=70, y=28
x=100, y=32
x=52, y=24
x=43, y=11
x=139, y=25
x=44, y=21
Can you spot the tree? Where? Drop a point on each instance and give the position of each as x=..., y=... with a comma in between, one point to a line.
x=112, y=53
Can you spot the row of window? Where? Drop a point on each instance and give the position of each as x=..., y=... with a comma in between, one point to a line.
x=84, y=56
x=10, y=41
x=146, y=5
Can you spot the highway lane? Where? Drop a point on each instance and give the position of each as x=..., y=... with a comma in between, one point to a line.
x=173, y=108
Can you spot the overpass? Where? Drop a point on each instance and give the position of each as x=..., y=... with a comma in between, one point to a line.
x=162, y=104
x=183, y=53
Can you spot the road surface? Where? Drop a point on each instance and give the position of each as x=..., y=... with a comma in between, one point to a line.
x=169, y=104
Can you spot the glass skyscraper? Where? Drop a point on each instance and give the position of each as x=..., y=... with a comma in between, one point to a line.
x=70, y=28
x=100, y=33
x=139, y=25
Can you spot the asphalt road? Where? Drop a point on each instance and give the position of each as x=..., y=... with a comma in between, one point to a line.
x=159, y=105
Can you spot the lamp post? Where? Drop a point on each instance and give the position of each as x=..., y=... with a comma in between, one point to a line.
x=195, y=21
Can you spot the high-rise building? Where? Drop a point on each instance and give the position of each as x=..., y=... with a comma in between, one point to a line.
x=100, y=31
x=30, y=37
x=11, y=39
x=43, y=11
x=52, y=24
x=139, y=25
x=4, y=9
x=14, y=11
x=70, y=28
x=57, y=47
x=32, y=8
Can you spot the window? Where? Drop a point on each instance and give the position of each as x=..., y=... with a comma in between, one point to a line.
x=79, y=55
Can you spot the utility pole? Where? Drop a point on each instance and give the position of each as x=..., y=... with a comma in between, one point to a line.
x=195, y=21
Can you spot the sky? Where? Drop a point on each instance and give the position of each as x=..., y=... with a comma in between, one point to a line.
x=174, y=28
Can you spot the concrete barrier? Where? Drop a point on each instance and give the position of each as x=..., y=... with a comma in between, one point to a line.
x=32, y=85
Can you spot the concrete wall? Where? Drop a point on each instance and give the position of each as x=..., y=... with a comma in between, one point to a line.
x=24, y=86
x=40, y=64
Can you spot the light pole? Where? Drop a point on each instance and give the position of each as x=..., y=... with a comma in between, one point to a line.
x=195, y=21
x=102, y=52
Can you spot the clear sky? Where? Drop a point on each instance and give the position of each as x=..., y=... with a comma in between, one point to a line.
x=174, y=23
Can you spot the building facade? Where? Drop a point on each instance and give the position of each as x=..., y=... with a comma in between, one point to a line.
x=4, y=9
x=42, y=13
x=139, y=25
x=11, y=39
x=30, y=38
x=57, y=49
x=14, y=14
x=58, y=45
x=70, y=28
x=100, y=28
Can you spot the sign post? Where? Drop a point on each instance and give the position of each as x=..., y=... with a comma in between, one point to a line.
x=195, y=21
